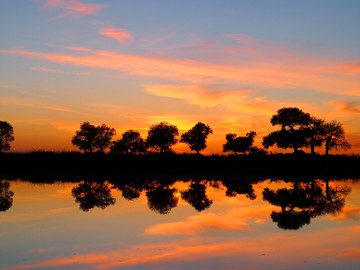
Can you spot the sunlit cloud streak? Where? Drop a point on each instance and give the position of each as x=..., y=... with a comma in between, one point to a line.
x=258, y=75
x=121, y=35
x=21, y=102
x=347, y=106
x=72, y=7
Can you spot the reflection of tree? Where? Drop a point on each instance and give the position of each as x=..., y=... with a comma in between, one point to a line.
x=130, y=189
x=239, y=187
x=304, y=202
x=161, y=197
x=6, y=196
x=196, y=196
x=90, y=194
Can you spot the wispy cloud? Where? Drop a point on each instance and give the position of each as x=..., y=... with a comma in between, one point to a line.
x=121, y=35
x=72, y=7
x=347, y=106
x=281, y=75
x=22, y=102
x=51, y=70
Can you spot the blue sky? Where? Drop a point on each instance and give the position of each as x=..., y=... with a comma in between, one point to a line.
x=129, y=64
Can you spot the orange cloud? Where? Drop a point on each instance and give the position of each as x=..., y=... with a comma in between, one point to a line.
x=264, y=75
x=197, y=95
x=45, y=69
x=72, y=7
x=347, y=106
x=121, y=35
x=16, y=101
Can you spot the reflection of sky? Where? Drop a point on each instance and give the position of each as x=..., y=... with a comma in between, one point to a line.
x=46, y=229
x=130, y=64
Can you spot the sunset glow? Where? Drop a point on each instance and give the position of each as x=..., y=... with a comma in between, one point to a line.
x=131, y=64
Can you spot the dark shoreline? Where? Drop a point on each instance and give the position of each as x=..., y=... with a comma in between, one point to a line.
x=74, y=165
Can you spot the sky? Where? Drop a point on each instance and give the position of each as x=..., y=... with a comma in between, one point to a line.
x=132, y=63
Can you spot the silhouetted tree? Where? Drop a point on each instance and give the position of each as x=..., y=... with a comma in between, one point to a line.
x=196, y=196
x=196, y=137
x=90, y=194
x=6, y=195
x=131, y=142
x=314, y=133
x=334, y=137
x=162, y=136
x=103, y=137
x=161, y=198
x=257, y=151
x=289, y=135
x=90, y=137
x=6, y=135
x=239, y=144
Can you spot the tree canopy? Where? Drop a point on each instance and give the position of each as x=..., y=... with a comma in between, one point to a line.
x=334, y=137
x=292, y=134
x=162, y=136
x=6, y=136
x=196, y=137
x=131, y=142
x=90, y=137
x=239, y=144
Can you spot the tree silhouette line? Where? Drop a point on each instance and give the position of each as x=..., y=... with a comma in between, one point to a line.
x=297, y=130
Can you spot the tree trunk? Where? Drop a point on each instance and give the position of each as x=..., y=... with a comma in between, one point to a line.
x=312, y=146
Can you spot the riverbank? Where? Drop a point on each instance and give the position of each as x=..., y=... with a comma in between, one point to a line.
x=77, y=165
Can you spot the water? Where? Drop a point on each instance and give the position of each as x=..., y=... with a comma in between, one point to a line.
x=180, y=225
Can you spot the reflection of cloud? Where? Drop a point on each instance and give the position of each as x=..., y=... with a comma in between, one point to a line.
x=194, y=225
x=120, y=35
x=347, y=106
x=72, y=7
x=234, y=220
x=268, y=251
x=348, y=213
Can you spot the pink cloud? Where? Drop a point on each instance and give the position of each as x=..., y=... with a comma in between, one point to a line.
x=284, y=74
x=73, y=7
x=121, y=35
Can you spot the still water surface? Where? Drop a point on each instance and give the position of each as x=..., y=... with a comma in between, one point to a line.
x=180, y=225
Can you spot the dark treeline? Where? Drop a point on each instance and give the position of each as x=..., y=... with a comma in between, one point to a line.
x=297, y=130
x=67, y=164
x=302, y=201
